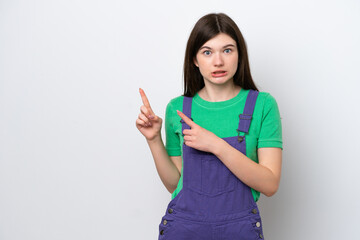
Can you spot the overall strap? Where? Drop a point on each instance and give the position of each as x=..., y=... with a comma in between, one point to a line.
x=187, y=111
x=246, y=116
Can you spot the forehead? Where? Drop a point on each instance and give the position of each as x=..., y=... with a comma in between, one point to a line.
x=219, y=41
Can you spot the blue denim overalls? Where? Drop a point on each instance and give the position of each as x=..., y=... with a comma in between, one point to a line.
x=213, y=203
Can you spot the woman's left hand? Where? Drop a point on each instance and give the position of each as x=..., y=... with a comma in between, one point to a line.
x=198, y=137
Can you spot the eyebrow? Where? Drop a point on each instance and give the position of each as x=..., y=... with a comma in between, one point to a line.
x=228, y=45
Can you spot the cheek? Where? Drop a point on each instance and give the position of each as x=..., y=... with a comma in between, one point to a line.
x=201, y=62
x=235, y=64
x=235, y=67
x=202, y=71
x=203, y=67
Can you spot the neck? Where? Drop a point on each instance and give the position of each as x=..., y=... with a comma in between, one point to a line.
x=219, y=93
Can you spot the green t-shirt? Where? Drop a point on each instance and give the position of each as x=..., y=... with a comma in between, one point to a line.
x=222, y=119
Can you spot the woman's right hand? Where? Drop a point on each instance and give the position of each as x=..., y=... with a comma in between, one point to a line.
x=148, y=123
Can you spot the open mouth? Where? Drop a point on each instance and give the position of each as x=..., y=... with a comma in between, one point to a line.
x=219, y=73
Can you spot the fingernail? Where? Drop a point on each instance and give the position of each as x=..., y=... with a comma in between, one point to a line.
x=151, y=116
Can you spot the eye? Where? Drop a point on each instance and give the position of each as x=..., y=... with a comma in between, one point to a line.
x=228, y=50
x=207, y=52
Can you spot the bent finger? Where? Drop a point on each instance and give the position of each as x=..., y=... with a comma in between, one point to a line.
x=188, y=143
x=140, y=122
x=145, y=119
x=150, y=115
x=187, y=132
x=187, y=138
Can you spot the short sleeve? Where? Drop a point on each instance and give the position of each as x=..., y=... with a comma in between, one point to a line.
x=270, y=131
x=172, y=138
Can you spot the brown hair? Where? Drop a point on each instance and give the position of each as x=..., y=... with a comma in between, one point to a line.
x=206, y=28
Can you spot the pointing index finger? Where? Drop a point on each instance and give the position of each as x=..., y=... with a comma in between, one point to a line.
x=187, y=120
x=144, y=99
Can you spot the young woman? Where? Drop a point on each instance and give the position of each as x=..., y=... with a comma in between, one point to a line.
x=223, y=140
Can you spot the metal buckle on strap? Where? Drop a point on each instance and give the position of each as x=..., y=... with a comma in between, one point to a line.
x=240, y=138
x=182, y=121
x=245, y=116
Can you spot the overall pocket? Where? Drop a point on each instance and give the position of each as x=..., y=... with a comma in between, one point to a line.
x=213, y=177
x=236, y=230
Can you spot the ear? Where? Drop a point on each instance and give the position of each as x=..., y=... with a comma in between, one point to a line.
x=195, y=62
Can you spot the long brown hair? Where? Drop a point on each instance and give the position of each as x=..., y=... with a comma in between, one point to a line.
x=206, y=28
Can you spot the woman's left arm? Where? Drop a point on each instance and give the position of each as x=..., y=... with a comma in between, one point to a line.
x=263, y=176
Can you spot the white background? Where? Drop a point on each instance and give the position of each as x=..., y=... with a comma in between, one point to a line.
x=74, y=166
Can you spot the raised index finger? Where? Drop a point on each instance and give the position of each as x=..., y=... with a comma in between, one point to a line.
x=144, y=99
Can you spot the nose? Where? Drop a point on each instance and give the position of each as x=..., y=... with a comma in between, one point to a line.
x=218, y=60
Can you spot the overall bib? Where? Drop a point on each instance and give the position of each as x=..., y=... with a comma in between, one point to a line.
x=213, y=203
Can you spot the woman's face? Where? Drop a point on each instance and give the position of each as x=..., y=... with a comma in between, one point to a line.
x=217, y=60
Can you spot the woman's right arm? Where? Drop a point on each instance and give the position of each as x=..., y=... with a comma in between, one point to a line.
x=169, y=173
x=150, y=126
